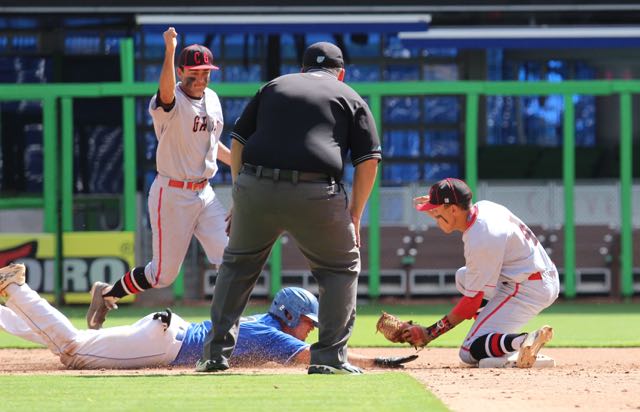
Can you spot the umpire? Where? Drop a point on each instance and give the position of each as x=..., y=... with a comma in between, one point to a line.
x=287, y=163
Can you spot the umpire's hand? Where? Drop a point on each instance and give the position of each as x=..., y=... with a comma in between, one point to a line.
x=227, y=219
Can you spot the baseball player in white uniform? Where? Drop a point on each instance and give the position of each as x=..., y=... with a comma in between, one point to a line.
x=507, y=270
x=188, y=122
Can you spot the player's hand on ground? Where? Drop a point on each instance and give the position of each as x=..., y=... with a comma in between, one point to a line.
x=416, y=335
x=170, y=38
x=393, y=362
x=420, y=200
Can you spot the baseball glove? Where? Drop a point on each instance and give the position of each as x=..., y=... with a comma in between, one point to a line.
x=393, y=362
x=391, y=327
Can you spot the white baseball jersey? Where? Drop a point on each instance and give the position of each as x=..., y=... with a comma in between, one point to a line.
x=506, y=261
x=498, y=247
x=188, y=136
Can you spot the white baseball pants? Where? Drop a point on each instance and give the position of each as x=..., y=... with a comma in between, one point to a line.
x=143, y=344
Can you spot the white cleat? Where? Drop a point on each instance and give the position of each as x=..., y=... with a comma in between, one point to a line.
x=14, y=273
x=534, y=341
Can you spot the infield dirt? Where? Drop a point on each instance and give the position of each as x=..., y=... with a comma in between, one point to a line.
x=606, y=379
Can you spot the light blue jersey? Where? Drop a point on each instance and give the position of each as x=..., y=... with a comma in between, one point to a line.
x=260, y=340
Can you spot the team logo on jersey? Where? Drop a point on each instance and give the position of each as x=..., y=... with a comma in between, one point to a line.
x=199, y=124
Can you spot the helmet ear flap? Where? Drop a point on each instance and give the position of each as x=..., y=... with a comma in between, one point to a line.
x=288, y=315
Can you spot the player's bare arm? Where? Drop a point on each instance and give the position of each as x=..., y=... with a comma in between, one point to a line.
x=235, y=162
x=224, y=154
x=236, y=158
x=167, y=83
x=363, y=178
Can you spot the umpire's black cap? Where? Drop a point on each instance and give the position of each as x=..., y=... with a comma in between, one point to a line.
x=323, y=54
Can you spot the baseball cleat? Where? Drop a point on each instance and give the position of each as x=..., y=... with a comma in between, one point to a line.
x=14, y=273
x=344, y=369
x=99, y=306
x=212, y=365
x=531, y=346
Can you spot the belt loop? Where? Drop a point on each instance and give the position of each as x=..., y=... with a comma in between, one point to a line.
x=295, y=176
x=276, y=174
x=258, y=171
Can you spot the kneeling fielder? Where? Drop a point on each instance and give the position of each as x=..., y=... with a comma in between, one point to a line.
x=506, y=269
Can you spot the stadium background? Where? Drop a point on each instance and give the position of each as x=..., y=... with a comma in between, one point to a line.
x=425, y=137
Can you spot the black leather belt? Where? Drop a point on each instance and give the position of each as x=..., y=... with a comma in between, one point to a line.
x=293, y=176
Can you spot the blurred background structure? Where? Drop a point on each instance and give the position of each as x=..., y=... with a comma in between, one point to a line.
x=519, y=137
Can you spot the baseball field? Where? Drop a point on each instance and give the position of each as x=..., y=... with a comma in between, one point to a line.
x=596, y=348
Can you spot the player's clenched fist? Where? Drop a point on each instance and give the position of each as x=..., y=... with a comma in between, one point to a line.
x=170, y=38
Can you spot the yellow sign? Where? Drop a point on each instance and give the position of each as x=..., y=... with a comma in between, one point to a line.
x=88, y=257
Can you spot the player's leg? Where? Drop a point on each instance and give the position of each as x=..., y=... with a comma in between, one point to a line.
x=144, y=344
x=14, y=325
x=254, y=229
x=497, y=330
x=53, y=328
x=210, y=227
x=326, y=236
x=172, y=215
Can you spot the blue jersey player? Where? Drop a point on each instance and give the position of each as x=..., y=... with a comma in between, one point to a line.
x=164, y=338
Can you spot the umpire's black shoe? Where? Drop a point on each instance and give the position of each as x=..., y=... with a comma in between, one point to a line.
x=212, y=365
x=344, y=369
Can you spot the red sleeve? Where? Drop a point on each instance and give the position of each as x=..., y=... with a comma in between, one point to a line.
x=467, y=307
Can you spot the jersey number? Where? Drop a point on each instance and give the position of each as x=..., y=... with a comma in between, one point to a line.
x=528, y=234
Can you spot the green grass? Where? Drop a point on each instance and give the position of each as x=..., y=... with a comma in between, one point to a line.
x=224, y=392
x=575, y=324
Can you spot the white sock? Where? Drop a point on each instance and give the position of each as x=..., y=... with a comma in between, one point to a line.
x=517, y=342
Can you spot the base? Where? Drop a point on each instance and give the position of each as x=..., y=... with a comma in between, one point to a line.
x=509, y=361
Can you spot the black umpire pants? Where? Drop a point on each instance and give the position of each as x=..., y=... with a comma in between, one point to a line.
x=316, y=215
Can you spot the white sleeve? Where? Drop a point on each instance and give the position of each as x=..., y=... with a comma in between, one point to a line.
x=483, y=253
x=159, y=116
x=213, y=100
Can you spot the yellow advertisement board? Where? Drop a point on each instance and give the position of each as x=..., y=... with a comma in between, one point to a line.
x=88, y=257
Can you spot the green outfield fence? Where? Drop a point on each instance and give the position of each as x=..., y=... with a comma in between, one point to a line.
x=57, y=198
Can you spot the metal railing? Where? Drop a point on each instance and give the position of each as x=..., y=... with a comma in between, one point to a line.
x=57, y=198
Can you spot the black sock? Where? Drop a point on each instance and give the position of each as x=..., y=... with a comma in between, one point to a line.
x=493, y=345
x=131, y=283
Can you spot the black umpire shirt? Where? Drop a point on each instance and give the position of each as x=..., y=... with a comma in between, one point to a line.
x=307, y=122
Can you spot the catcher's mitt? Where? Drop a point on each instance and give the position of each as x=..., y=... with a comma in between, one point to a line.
x=391, y=327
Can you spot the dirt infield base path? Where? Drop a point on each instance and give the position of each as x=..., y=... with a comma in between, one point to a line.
x=583, y=379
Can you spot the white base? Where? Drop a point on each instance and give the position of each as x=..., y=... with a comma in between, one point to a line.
x=509, y=361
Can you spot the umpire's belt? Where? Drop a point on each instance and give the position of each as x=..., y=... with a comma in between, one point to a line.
x=294, y=176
